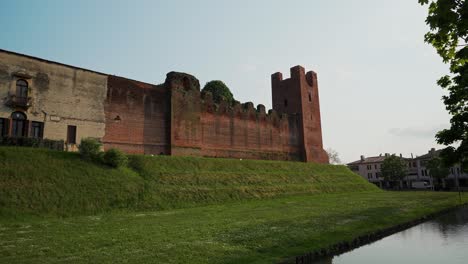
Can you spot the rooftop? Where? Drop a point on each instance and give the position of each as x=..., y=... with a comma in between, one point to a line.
x=375, y=159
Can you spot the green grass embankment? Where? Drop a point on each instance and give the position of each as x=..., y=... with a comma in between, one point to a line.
x=309, y=207
x=40, y=181
x=253, y=231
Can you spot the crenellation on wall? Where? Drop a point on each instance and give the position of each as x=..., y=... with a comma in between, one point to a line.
x=172, y=118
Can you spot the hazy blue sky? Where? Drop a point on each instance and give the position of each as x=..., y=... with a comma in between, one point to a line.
x=376, y=75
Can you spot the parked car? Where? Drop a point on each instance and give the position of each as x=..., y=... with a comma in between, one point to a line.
x=421, y=185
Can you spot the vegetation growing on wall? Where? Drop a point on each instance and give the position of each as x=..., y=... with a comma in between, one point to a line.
x=219, y=90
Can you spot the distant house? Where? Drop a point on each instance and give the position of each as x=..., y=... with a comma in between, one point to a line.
x=370, y=169
x=454, y=178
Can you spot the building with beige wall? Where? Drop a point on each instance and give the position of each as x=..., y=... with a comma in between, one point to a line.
x=49, y=100
x=370, y=169
x=40, y=98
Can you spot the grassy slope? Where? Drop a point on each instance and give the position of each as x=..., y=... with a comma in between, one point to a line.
x=309, y=207
x=180, y=181
x=254, y=231
x=47, y=182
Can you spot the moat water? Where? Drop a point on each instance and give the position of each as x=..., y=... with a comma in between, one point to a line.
x=441, y=240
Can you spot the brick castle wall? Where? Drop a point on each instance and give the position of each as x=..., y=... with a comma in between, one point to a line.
x=137, y=117
x=174, y=119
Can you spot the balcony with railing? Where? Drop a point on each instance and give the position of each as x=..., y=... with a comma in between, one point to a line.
x=18, y=101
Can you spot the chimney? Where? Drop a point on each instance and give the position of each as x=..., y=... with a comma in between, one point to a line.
x=387, y=154
x=401, y=156
x=363, y=158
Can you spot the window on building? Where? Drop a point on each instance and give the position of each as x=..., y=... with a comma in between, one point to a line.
x=3, y=127
x=71, y=135
x=21, y=89
x=310, y=97
x=458, y=171
x=378, y=174
x=19, y=126
x=414, y=164
x=369, y=175
x=375, y=166
x=285, y=102
x=37, y=129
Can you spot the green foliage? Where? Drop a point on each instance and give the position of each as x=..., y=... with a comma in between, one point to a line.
x=448, y=22
x=32, y=142
x=394, y=168
x=115, y=158
x=90, y=149
x=219, y=90
x=437, y=169
x=62, y=183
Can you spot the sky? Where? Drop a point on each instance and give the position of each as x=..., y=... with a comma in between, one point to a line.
x=377, y=77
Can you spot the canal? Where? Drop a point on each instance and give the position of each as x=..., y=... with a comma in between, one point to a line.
x=441, y=240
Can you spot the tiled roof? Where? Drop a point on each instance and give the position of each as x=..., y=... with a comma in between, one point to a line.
x=430, y=155
x=370, y=160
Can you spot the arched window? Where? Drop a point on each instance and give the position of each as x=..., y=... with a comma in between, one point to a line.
x=21, y=89
x=19, y=127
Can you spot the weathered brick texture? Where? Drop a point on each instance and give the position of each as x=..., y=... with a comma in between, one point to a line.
x=171, y=118
x=137, y=117
x=174, y=119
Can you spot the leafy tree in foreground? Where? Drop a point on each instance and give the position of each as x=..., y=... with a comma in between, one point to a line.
x=219, y=90
x=437, y=169
x=448, y=22
x=394, y=168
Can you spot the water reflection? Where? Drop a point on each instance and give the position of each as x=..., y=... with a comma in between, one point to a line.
x=442, y=240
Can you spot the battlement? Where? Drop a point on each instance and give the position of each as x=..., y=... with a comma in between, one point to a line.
x=296, y=73
x=177, y=80
x=298, y=95
x=172, y=118
x=242, y=110
x=292, y=123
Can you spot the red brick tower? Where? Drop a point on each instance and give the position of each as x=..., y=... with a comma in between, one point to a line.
x=299, y=96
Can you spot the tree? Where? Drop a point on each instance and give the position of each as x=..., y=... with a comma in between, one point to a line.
x=333, y=156
x=448, y=22
x=219, y=90
x=394, y=168
x=437, y=169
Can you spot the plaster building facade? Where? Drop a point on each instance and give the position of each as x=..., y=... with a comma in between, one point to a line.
x=46, y=99
x=370, y=169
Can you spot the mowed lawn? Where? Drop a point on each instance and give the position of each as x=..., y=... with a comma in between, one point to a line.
x=253, y=231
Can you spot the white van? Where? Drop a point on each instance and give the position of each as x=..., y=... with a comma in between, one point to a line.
x=421, y=185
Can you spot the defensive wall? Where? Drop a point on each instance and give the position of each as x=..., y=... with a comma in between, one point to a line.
x=172, y=118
